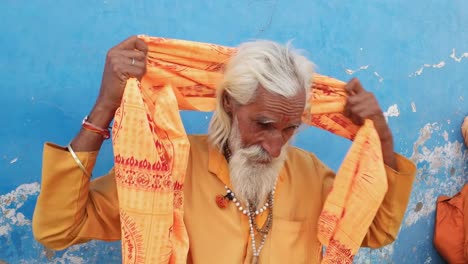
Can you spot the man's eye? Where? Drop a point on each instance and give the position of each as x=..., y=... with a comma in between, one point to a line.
x=264, y=125
x=292, y=128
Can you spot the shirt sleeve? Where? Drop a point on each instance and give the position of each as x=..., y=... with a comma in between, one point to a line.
x=386, y=224
x=71, y=208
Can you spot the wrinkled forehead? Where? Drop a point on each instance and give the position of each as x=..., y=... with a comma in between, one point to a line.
x=281, y=108
x=266, y=98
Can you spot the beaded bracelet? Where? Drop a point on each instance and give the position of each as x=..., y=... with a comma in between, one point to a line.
x=78, y=161
x=105, y=133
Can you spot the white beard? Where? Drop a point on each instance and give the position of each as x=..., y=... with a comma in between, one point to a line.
x=252, y=181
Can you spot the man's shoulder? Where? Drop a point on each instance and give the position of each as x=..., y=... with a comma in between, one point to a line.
x=301, y=155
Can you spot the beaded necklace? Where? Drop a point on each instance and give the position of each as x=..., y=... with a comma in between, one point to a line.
x=251, y=211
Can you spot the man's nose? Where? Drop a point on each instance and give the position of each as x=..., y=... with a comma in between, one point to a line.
x=273, y=144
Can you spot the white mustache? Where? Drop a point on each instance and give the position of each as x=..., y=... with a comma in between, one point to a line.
x=256, y=154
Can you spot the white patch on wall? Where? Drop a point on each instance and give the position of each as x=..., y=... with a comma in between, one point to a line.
x=392, y=111
x=378, y=76
x=4, y=229
x=11, y=219
x=439, y=156
x=14, y=160
x=445, y=135
x=458, y=59
x=70, y=256
x=11, y=202
x=421, y=70
x=379, y=255
x=350, y=72
x=413, y=107
x=441, y=171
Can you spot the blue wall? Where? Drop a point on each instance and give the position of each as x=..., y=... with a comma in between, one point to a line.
x=412, y=54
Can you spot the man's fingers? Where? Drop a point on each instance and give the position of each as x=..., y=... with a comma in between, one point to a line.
x=133, y=43
x=354, y=87
x=135, y=72
x=136, y=54
x=365, y=98
x=123, y=66
x=128, y=57
x=129, y=43
x=141, y=45
x=130, y=66
x=137, y=63
x=363, y=111
x=356, y=119
x=129, y=71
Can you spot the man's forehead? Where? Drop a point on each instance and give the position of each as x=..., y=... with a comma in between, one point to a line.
x=291, y=106
x=272, y=117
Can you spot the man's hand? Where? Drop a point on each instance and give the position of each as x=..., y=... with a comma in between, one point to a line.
x=124, y=61
x=361, y=105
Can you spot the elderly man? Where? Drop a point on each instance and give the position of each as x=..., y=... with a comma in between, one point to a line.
x=260, y=104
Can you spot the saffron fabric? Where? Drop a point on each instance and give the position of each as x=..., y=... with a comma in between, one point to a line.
x=182, y=75
x=160, y=197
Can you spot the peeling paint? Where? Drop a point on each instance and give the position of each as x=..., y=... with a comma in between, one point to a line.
x=380, y=255
x=15, y=223
x=13, y=160
x=4, y=230
x=70, y=257
x=420, y=70
x=350, y=72
x=424, y=134
x=11, y=202
x=49, y=253
x=413, y=107
x=440, y=171
x=440, y=157
x=392, y=111
x=378, y=76
x=419, y=206
x=458, y=59
x=427, y=208
x=445, y=135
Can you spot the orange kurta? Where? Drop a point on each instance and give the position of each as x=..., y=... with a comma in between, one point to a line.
x=72, y=210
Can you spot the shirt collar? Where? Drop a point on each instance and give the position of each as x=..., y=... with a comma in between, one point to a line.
x=218, y=165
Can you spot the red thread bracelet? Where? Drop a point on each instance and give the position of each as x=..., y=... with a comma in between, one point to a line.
x=105, y=133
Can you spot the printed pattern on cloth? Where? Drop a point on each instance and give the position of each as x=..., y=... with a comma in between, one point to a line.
x=151, y=152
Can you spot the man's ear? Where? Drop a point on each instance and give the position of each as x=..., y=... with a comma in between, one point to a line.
x=227, y=103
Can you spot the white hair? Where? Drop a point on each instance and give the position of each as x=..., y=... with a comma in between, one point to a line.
x=280, y=69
